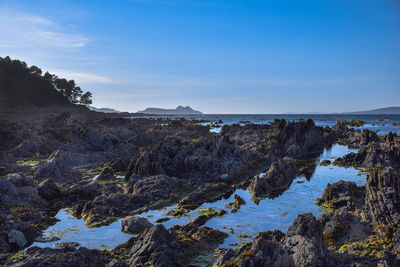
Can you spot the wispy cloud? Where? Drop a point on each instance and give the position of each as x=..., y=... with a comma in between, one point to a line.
x=82, y=77
x=22, y=30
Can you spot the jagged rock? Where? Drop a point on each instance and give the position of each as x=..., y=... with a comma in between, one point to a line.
x=342, y=194
x=304, y=240
x=154, y=246
x=106, y=174
x=58, y=166
x=89, y=139
x=265, y=251
x=17, y=237
x=382, y=199
x=238, y=201
x=24, y=191
x=131, y=181
x=325, y=162
x=135, y=224
x=158, y=187
x=118, y=166
x=69, y=256
x=7, y=189
x=278, y=177
x=20, y=180
x=49, y=190
x=303, y=245
x=25, y=149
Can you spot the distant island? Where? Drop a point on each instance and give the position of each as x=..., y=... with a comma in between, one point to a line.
x=104, y=110
x=180, y=110
x=388, y=110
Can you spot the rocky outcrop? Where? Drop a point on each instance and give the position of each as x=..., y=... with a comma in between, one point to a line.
x=24, y=150
x=342, y=194
x=38, y=257
x=134, y=224
x=159, y=187
x=385, y=153
x=278, y=178
x=106, y=174
x=18, y=189
x=155, y=246
x=382, y=198
x=303, y=245
x=305, y=242
x=48, y=190
x=17, y=237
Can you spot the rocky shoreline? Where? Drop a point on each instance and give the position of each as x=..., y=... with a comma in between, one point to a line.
x=49, y=163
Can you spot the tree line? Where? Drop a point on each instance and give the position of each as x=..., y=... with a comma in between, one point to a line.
x=66, y=88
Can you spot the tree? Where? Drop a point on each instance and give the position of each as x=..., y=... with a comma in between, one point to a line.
x=76, y=94
x=86, y=99
x=35, y=70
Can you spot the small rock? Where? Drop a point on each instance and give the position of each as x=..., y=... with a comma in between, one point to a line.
x=238, y=201
x=66, y=244
x=134, y=224
x=17, y=237
x=325, y=162
x=161, y=220
x=46, y=239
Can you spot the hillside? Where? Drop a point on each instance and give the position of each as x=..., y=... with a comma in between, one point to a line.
x=23, y=86
x=388, y=110
x=180, y=110
x=104, y=110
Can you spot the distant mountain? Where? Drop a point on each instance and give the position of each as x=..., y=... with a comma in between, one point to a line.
x=388, y=110
x=178, y=111
x=104, y=110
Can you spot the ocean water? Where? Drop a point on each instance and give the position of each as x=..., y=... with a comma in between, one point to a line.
x=382, y=124
x=244, y=225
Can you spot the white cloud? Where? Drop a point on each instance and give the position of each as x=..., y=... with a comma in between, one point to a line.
x=21, y=30
x=82, y=77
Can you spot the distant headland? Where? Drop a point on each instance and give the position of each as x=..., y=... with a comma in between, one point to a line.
x=177, y=111
x=388, y=110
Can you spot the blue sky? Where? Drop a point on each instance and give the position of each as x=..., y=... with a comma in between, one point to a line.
x=220, y=56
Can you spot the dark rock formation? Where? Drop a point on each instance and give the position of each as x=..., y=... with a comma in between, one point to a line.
x=278, y=178
x=303, y=245
x=382, y=199
x=37, y=257
x=342, y=194
x=49, y=190
x=106, y=174
x=134, y=224
x=156, y=246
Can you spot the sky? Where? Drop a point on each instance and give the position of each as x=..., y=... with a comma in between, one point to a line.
x=221, y=56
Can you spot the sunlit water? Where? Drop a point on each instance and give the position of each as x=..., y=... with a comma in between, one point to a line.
x=269, y=214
